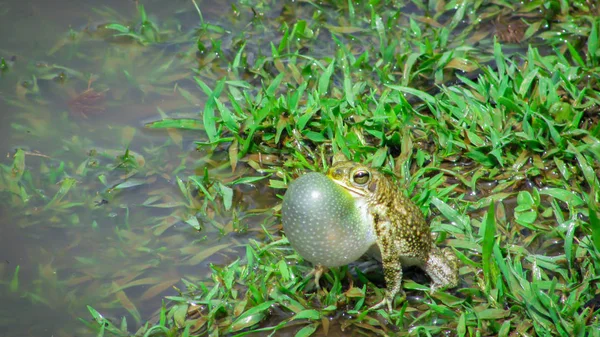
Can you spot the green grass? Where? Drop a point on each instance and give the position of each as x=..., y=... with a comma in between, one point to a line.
x=498, y=144
x=522, y=125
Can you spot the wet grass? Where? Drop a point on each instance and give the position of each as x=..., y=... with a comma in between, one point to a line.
x=497, y=142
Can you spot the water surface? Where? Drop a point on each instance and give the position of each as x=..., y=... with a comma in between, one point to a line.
x=74, y=100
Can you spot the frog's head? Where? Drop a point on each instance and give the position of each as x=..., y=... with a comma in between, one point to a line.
x=360, y=180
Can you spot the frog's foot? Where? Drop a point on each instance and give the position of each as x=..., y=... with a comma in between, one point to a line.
x=318, y=271
x=388, y=300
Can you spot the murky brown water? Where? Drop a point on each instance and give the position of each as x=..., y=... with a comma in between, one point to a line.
x=114, y=249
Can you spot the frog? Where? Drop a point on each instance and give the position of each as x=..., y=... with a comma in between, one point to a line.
x=403, y=237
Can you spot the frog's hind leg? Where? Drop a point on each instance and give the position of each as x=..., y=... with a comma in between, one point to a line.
x=442, y=268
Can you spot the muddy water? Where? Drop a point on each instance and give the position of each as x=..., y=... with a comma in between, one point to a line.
x=73, y=100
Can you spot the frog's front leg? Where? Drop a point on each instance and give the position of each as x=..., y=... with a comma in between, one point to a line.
x=318, y=271
x=392, y=271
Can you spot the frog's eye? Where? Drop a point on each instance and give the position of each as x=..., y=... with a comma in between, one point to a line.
x=361, y=177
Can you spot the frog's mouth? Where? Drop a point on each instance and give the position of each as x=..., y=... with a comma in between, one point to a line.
x=354, y=191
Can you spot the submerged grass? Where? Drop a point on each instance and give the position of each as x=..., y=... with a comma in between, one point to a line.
x=501, y=139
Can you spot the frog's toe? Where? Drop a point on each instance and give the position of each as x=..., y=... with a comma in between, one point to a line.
x=388, y=301
x=446, y=284
x=437, y=286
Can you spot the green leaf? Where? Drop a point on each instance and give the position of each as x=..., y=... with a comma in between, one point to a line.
x=277, y=184
x=65, y=187
x=307, y=314
x=272, y=88
x=315, y=136
x=324, y=80
x=228, y=117
x=526, y=218
x=306, y=331
x=379, y=157
x=420, y=94
x=487, y=246
x=247, y=180
x=118, y=27
x=193, y=221
x=524, y=201
x=104, y=323
x=461, y=328
x=592, y=42
x=451, y=214
x=509, y=104
x=196, y=180
x=176, y=123
x=14, y=283
x=493, y=314
x=569, y=197
x=206, y=253
x=18, y=165
x=227, y=194
x=208, y=118
x=251, y=317
x=129, y=183
x=586, y=168
x=575, y=54
x=595, y=225
x=500, y=58
x=348, y=92
x=526, y=84
x=569, y=238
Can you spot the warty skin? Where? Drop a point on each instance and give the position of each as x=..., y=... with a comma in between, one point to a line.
x=335, y=219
